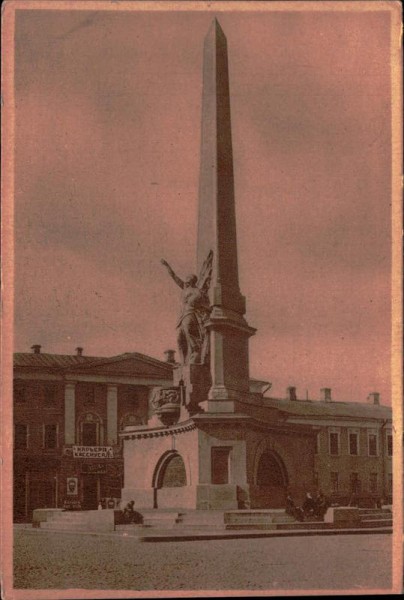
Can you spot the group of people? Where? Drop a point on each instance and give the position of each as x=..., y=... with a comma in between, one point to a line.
x=311, y=507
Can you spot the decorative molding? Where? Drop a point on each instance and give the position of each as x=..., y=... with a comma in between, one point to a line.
x=155, y=433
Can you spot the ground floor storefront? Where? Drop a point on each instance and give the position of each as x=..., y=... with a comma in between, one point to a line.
x=65, y=482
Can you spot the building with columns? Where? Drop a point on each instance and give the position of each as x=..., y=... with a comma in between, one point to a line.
x=68, y=411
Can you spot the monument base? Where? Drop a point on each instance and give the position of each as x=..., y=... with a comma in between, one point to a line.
x=195, y=497
x=195, y=380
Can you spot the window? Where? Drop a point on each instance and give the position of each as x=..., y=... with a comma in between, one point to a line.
x=353, y=441
x=315, y=479
x=19, y=393
x=50, y=436
x=334, y=442
x=50, y=395
x=390, y=483
x=220, y=464
x=354, y=483
x=90, y=430
x=21, y=436
x=389, y=444
x=89, y=394
x=334, y=481
x=372, y=443
x=373, y=483
x=89, y=434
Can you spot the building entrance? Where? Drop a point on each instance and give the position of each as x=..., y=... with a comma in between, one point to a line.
x=271, y=482
x=90, y=492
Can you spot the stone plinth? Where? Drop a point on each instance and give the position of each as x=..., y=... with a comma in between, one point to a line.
x=40, y=515
x=343, y=516
x=195, y=380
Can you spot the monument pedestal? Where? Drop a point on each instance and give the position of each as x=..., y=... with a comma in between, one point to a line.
x=194, y=382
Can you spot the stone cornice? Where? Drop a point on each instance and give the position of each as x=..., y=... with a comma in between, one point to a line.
x=137, y=434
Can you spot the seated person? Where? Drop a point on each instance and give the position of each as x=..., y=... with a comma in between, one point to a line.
x=308, y=505
x=321, y=505
x=128, y=511
x=293, y=510
x=130, y=515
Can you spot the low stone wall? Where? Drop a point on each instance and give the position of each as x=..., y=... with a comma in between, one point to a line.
x=40, y=515
x=217, y=497
x=342, y=516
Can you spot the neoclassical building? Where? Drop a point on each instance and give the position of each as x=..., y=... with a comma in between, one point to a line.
x=68, y=411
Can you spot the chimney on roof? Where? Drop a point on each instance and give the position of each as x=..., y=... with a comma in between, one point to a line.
x=291, y=393
x=325, y=395
x=36, y=348
x=374, y=398
x=79, y=351
x=170, y=356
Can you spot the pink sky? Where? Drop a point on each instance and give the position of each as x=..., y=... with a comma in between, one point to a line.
x=108, y=111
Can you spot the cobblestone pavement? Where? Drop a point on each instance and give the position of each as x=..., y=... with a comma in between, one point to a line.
x=59, y=560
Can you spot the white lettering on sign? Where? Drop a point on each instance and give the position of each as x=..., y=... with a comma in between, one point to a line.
x=93, y=452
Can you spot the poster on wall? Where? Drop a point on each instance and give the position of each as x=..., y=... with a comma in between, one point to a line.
x=72, y=486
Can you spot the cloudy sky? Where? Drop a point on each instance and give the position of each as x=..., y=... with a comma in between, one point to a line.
x=108, y=108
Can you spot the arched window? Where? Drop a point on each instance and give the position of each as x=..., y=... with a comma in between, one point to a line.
x=172, y=472
x=90, y=430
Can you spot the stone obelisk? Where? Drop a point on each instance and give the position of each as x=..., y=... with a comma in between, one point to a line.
x=229, y=331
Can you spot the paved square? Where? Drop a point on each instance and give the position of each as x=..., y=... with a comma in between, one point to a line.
x=59, y=560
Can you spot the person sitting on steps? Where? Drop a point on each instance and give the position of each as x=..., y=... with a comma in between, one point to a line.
x=293, y=510
x=321, y=505
x=128, y=512
x=308, y=505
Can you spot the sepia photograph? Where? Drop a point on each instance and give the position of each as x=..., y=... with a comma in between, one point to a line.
x=201, y=301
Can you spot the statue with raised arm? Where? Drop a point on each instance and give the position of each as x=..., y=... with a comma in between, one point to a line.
x=192, y=338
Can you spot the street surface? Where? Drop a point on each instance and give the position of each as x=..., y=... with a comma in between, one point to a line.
x=60, y=560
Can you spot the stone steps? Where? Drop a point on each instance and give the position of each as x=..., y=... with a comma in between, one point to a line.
x=68, y=526
x=377, y=523
x=201, y=519
x=267, y=519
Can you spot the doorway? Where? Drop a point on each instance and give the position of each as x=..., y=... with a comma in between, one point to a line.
x=271, y=482
x=90, y=492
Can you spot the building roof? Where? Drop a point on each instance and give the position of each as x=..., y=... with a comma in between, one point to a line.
x=132, y=363
x=317, y=408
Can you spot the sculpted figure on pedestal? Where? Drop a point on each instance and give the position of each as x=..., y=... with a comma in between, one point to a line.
x=192, y=338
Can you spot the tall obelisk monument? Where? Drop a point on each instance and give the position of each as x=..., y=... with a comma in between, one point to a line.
x=229, y=331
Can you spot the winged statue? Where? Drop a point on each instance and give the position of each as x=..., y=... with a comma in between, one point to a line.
x=192, y=336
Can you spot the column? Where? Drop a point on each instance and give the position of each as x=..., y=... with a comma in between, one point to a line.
x=112, y=414
x=70, y=413
x=229, y=331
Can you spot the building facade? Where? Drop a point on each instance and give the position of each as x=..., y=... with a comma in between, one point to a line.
x=354, y=445
x=68, y=411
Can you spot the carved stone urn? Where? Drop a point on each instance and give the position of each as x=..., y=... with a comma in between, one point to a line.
x=166, y=403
